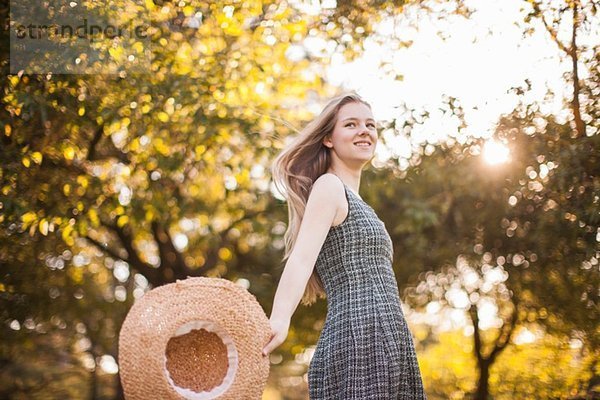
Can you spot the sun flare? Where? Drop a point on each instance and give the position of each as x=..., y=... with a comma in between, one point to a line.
x=495, y=152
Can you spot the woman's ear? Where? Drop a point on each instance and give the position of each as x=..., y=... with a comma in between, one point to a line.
x=327, y=142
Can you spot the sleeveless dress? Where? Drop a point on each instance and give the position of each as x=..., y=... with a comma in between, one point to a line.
x=365, y=350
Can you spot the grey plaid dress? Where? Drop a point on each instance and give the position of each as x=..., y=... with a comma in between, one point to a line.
x=365, y=350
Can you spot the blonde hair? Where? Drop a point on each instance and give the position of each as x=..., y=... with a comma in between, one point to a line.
x=296, y=168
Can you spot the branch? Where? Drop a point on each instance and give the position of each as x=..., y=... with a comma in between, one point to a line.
x=579, y=124
x=133, y=259
x=105, y=249
x=476, y=334
x=115, y=152
x=505, y=334
x=171, y=259
x=91, y=156
x=550, y=29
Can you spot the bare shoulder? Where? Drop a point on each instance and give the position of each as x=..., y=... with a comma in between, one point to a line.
x=330, y=192
x=330, y=185
x=320, y=214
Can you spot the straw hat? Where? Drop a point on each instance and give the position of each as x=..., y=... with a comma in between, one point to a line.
x=198, y=338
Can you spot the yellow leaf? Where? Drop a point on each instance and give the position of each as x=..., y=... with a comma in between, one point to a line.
x=69, y=241
x=183, y=52
x=294, y=28
x=7, y=130
x=122, y=221
x=37, y=157
x=138, y=47
x=67, y=189
x=163, y=116
x=149, y=215
x=83, y=228
x=28, y=217
x=81, y=111
x=150, y=5
x=199, y=150
x=83, y=181
x=116, y=53
x=93, y=215
x=225, y=254
x=243, y=177
x=134, y=145
x=161, y=147
x=26, y=162
x=69, y=153
x=183, y=69
x=76, y=275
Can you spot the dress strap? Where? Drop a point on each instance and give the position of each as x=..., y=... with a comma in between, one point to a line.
x=349, y=200
x=338, y=178
x=346, y=187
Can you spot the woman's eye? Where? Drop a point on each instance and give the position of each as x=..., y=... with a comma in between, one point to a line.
x=352, y=123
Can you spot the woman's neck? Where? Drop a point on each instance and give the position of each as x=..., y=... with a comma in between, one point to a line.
x=351, y=182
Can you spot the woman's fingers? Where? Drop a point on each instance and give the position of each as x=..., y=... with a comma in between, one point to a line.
x=279, y=333
x=267, y=348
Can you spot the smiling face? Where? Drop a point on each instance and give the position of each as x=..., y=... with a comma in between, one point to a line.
x=354, y=136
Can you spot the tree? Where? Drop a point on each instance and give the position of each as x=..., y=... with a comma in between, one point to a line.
x=163, y=172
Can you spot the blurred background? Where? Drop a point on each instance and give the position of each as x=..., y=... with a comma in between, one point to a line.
x=487, y=176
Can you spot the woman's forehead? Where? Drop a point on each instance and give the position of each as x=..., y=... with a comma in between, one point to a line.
x=355, y=110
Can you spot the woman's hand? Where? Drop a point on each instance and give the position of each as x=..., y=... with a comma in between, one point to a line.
x=279, y=332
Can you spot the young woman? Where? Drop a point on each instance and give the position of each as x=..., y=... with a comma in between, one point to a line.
x=337, y=247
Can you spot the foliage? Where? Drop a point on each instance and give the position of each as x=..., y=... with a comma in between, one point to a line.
x=113, y=184
x=546, y=368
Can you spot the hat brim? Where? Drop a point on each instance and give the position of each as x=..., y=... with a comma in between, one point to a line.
x=163, y=312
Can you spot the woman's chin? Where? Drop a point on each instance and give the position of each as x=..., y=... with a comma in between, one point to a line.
x=363, y=159
x=366, y=155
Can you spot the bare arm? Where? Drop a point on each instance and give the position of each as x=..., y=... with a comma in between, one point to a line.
x=321, y=209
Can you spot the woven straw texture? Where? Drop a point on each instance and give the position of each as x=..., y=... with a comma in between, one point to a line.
x=211, y=312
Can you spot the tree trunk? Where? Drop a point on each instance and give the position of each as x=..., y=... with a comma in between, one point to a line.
x=483, y=389
x=579, y=124
x=94, y=384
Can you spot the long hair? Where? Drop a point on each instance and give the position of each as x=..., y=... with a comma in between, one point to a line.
x=296, y=168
